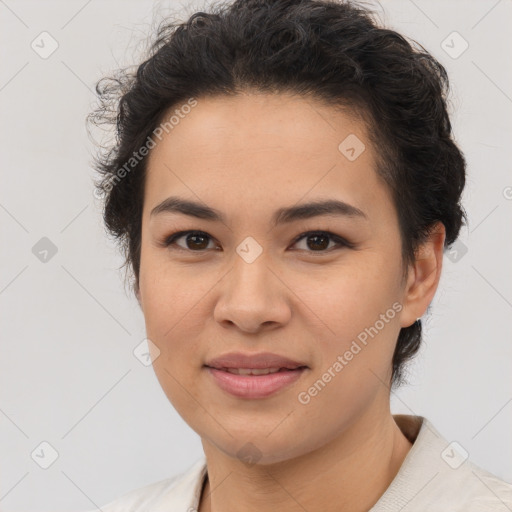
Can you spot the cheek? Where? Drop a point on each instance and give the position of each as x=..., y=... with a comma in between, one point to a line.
x=172, y=314
x=167, y=293
x=354, y=349
x=174, y=317
x=349, y=298
x=166, y=318
x=355, y=315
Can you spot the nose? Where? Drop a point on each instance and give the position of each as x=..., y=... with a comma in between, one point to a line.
x=252, y=297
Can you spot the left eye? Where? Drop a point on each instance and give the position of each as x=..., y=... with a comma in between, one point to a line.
x=321, y=241
x=198, y=241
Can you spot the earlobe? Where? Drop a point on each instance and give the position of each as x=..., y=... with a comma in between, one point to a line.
x=424, y=276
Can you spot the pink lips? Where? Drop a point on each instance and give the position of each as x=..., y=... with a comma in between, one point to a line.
x=254, y=386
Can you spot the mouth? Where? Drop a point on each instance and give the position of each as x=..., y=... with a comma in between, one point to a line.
x=256, y=371
x=253, y=361
x=254, y=383
x=254, y=375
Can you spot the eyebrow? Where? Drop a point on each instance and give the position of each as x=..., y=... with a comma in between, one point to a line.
x=281, y=216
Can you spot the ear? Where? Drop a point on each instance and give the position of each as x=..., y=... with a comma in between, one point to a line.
x=423, y=276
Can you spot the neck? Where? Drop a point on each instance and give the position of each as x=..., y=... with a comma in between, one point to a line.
x=349, y=473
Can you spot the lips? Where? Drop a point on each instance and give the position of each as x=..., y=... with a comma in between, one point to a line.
x=254, y=386
x=254, y=376
x=254, y=371
x=240, y=363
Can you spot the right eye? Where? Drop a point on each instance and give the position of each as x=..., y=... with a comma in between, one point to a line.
x=195, y=241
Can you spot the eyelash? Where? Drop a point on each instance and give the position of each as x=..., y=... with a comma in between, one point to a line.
x=171, y=240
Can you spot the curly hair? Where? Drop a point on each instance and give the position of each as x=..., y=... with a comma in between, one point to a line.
x=333, y=51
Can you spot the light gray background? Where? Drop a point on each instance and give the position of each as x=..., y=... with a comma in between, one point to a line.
x=67, y=372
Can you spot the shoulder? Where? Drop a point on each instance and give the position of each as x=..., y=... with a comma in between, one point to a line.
x=179, y=492
x=460, y=483
x=437, y=476
x=141, y=498
x=470, y=488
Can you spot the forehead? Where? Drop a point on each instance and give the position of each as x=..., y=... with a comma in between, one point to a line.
x=261, y=149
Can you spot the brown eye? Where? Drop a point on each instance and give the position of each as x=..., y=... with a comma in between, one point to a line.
x=195, y=241
x=318, y=241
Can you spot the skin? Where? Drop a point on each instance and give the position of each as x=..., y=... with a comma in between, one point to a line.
x=247, y=156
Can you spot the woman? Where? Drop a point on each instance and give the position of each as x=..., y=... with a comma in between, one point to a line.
x=284, y=184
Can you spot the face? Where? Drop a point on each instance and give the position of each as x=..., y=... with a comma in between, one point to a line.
x=249, y=284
